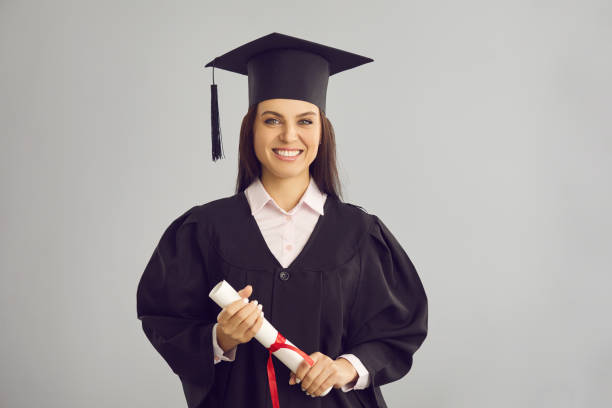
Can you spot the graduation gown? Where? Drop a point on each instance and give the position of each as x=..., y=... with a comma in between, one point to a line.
x=352, y=289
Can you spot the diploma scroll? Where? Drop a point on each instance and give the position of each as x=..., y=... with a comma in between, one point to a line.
x=223, y=294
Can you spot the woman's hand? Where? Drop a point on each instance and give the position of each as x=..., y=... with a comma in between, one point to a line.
x=239, y=321
x=323, y=374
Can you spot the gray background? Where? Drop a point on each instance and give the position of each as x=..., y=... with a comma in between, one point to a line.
x=480, y=135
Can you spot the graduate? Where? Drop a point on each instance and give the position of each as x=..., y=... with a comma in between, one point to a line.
x=327, y=274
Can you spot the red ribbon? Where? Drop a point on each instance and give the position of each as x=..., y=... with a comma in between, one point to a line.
x=278, y=344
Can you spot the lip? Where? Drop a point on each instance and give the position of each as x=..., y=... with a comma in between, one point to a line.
x=285, y=158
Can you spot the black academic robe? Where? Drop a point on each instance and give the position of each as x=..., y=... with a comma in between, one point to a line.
x=352, y=289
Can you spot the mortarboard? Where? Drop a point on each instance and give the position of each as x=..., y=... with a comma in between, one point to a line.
x=280, y=66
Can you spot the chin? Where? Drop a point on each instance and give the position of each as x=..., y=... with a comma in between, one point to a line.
x=284, y=172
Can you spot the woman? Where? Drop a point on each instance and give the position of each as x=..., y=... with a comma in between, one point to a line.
x=328, y=275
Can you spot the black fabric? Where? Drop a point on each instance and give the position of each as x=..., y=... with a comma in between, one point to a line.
x=288, y=74
x=352, y=289
x=282, y=66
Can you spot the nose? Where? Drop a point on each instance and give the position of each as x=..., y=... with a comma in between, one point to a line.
x=289, y=133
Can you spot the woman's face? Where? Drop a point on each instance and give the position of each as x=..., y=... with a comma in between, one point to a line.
x=282, y=128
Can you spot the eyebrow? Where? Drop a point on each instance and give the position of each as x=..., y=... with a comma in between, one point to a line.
x=278, y=114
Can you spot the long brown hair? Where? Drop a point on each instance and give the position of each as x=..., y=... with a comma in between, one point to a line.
x=323, y=169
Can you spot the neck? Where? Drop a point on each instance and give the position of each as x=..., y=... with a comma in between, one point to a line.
x=287, y=191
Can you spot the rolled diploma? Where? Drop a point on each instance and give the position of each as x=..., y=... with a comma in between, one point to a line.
x=223, y=294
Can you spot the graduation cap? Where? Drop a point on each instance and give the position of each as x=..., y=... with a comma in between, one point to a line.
x=280, y=66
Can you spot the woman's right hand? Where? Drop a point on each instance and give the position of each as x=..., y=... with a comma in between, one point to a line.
x=239, y=321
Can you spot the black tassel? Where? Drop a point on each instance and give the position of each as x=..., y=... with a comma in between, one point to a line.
x=217, y=148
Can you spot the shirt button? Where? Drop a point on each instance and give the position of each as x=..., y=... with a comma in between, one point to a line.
x=284, y=275
x=288, y=247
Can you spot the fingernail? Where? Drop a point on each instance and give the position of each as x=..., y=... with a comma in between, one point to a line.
x=245, y=300
x=255, y=302
x=259, y=306
x=297, y=380
x=262, y=313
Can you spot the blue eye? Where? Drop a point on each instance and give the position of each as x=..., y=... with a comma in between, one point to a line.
x=303, y=120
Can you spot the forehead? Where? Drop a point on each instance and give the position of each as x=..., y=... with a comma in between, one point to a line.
x=287, y=106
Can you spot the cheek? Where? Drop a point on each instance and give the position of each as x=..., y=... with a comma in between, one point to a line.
x=259, y=143
x=312, y=142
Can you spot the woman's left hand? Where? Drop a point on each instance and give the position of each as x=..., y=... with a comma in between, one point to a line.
x=323, y=374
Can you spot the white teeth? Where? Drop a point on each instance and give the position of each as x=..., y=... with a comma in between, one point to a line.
x=288, y=153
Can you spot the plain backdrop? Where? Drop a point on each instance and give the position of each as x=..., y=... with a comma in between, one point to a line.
x=480, y=134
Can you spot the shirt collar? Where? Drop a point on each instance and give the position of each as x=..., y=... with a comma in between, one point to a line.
x=258, y=197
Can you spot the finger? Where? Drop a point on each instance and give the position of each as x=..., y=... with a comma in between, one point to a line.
x=302, y=369
x=236, y=305
x=246, y=291
x=327, y=379
x=247, y=326
x=316, y=375
x=245, y=311
x=228, y=311
x=291, y=379
x=234, y=321
x=254, y=329
x=305, y=366
x=311, y=375
x=259, y=322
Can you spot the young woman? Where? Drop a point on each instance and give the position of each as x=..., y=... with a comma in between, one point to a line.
x=328, y=275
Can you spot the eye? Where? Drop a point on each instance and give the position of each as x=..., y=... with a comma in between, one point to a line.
x=308, y=122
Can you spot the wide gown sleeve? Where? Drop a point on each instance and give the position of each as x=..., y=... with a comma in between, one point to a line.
x=388, y=320
x=172, y=304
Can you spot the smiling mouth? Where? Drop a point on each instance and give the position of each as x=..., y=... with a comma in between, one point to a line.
x=288, y=152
